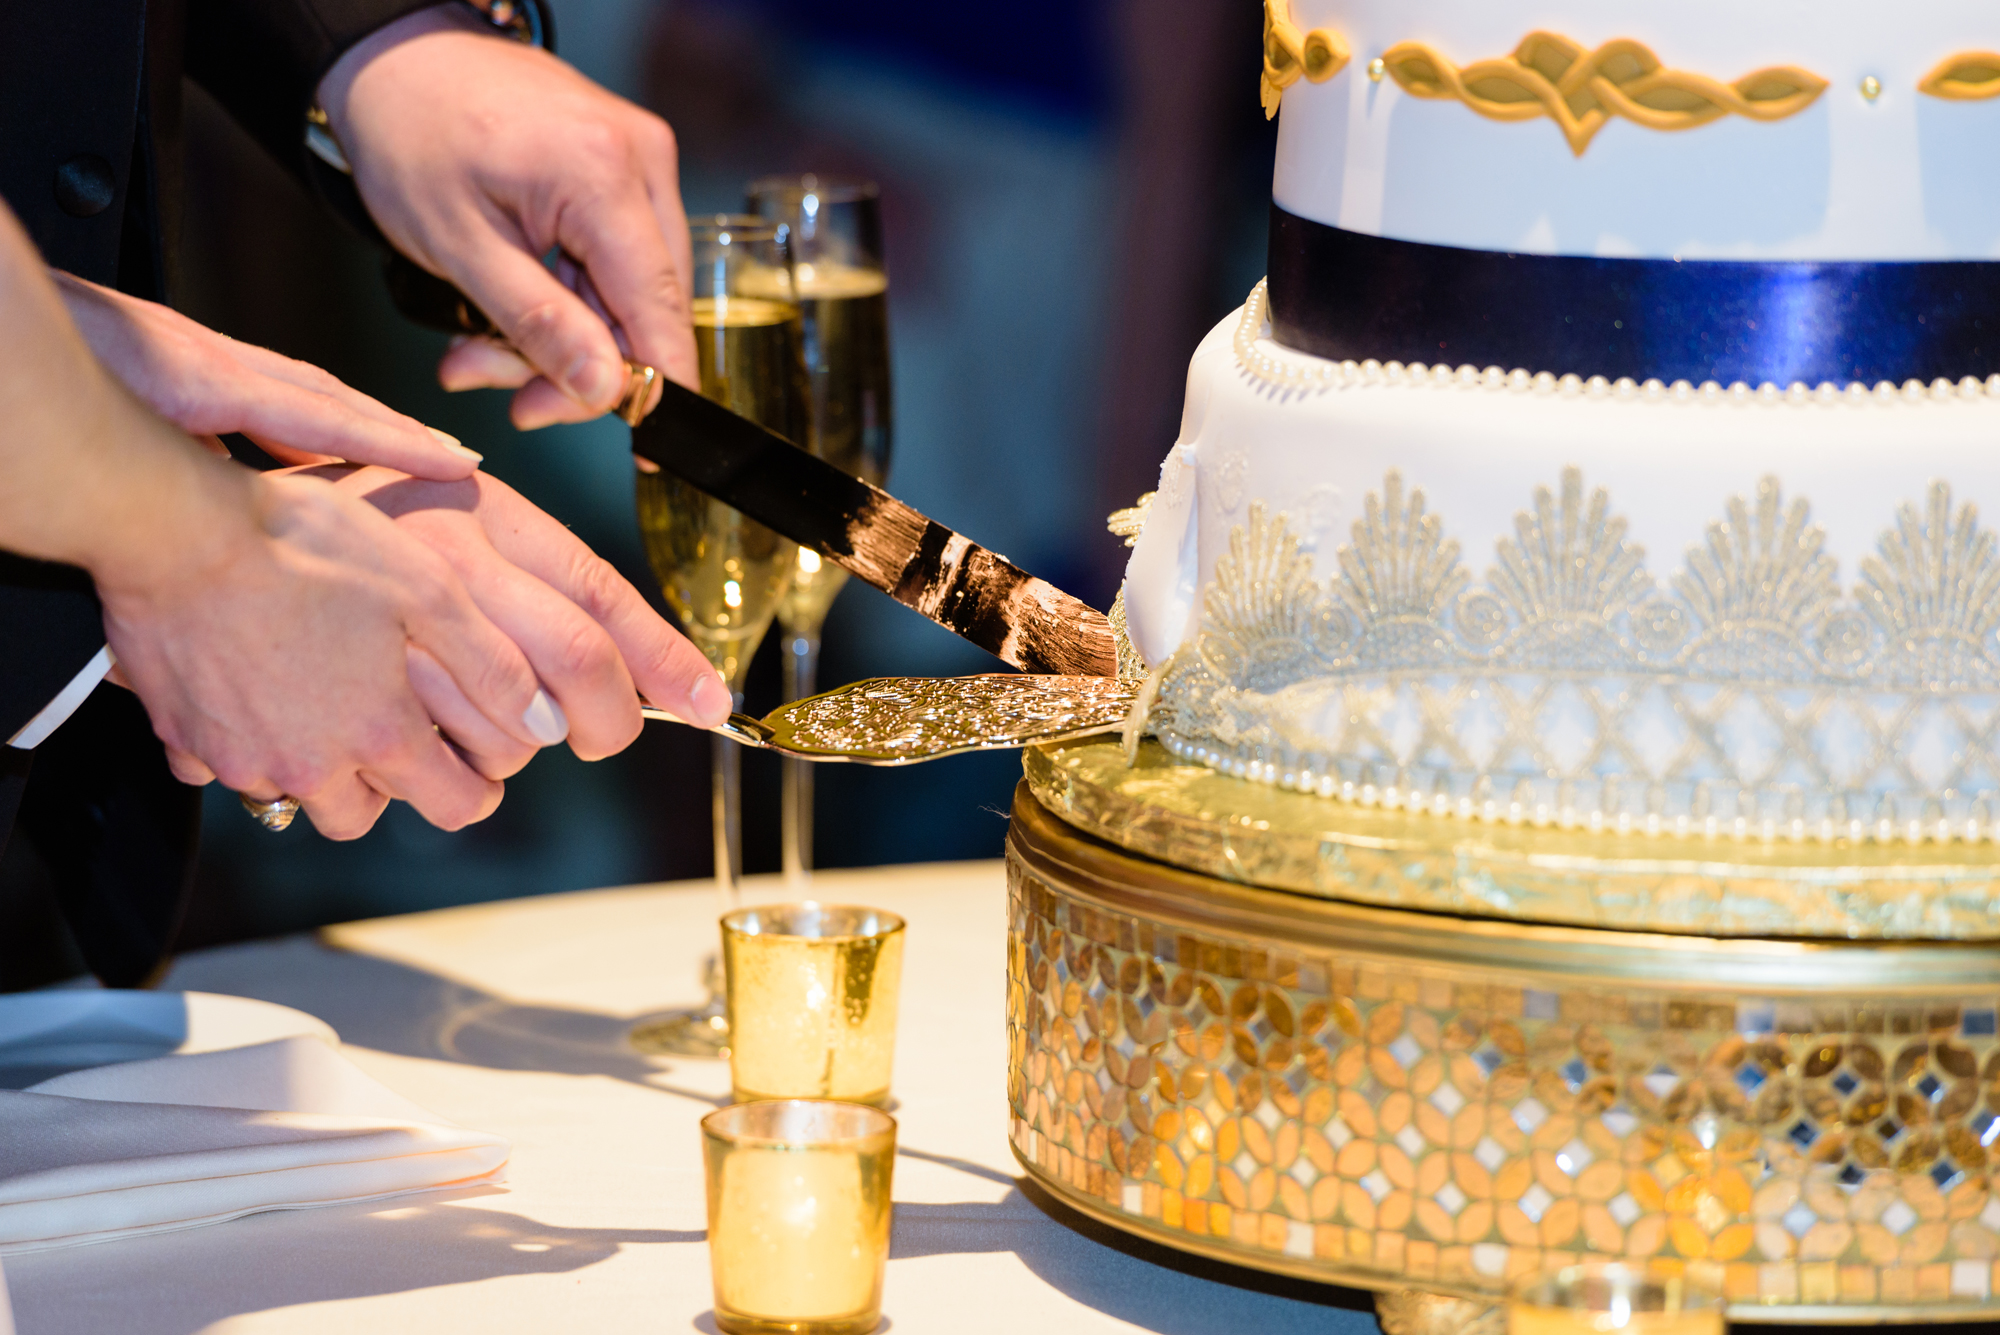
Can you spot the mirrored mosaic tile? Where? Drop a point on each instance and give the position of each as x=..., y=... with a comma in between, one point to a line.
x=1391, y=1124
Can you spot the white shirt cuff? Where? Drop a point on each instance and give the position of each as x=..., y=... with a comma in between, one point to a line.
x=37, y=729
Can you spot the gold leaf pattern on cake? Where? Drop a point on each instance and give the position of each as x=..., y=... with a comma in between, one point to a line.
x=1968, y=76
x=1317, y=55
x=1934, y=588
x=1760, y=587
x=1400, y=574
x=1568, y=573
x=1266, y=622
x=1752, y=695
x=1128, y=522
x=1131, y=663
x=1582, y=90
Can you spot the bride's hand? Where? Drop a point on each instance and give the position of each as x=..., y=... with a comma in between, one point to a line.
x=209, y=385
x=592, y=639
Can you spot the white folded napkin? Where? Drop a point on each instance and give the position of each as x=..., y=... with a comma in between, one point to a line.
x=179, y=1141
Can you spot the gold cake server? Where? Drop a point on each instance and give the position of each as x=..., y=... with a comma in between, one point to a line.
x=906, y=720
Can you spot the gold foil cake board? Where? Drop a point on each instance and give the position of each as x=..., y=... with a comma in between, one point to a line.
x=1193, y=817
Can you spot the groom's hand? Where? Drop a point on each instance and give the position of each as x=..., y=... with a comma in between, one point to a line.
x=480, y=157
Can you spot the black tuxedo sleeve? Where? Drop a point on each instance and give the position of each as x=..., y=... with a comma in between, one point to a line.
x=108, y=820
x=50, y=628
x=263, y=60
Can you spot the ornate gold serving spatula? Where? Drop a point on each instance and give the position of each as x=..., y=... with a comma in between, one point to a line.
x=904, y=720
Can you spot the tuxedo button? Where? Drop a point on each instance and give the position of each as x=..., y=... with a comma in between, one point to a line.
x=85, y=185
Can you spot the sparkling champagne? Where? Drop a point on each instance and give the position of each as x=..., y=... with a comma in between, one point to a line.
x=846, y=312
x=723, y=574
x=833, y=255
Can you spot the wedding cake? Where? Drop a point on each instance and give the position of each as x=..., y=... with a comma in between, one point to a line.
x=1613, y=442
x=1584, y=533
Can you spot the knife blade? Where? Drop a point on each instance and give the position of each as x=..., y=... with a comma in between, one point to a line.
x=970, y=591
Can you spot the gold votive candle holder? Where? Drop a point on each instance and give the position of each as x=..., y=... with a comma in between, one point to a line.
x=812, y=1001
x=798, y=1215
x=1603, y=1296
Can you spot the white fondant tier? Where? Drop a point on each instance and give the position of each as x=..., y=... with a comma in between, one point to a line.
x=1768, y=612
x=1902, y=175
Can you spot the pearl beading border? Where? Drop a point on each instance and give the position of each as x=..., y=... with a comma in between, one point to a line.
x=1301, y=371
x=1888, y=824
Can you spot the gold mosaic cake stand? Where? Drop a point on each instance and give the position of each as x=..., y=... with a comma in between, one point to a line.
x=1408, y=1100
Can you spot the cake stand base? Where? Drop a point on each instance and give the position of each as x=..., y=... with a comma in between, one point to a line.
x=1398, y=1100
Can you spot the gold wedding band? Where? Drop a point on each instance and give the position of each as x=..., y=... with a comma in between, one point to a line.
x=274, y=815
x=638, y=392
x=639, y=379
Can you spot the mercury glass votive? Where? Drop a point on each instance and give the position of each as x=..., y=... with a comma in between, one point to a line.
x=812, y=1001
x=798, y=1215
x=1609, y=1296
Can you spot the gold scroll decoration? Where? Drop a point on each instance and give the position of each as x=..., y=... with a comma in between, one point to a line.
x=1968, y=76
x=1580, y=90
x=1289, y=53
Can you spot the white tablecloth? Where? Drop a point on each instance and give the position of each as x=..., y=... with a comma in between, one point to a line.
x=511, y=1018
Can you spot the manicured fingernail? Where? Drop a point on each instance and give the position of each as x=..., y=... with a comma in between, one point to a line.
x=708, y=702
x=450, y=442
x=545, y=721
x=589, y=380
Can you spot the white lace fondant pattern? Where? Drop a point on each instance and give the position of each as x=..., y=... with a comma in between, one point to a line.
x=1752, y=694
x=1285, y=369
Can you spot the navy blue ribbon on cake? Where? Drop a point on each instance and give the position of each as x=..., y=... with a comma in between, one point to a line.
x=1343, y=295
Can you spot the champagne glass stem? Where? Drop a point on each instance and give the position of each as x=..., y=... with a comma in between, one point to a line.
x=723, y=574
x=704, y=1031
x=726, y=793
x=801, y=660
x=726, y=810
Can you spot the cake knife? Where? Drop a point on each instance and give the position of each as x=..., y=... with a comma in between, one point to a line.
x=977, y=594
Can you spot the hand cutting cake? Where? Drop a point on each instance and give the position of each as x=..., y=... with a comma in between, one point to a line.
x=1611, y=443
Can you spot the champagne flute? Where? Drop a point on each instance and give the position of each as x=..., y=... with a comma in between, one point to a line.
x=723, y=574
x=835, y=228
